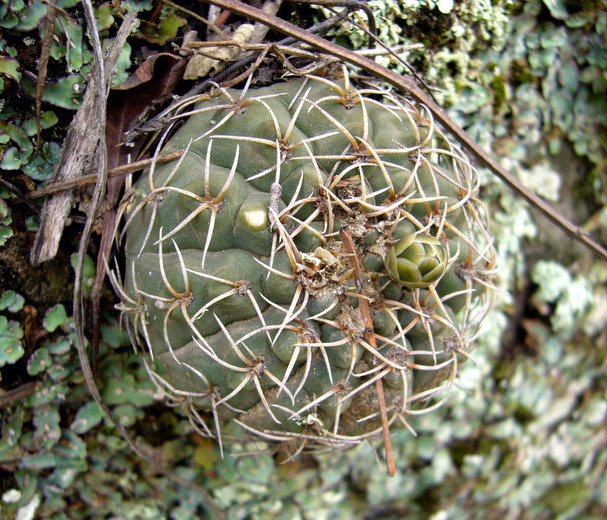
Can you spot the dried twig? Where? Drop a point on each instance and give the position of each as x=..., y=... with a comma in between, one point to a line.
x=92, y=178
x=21, y=392
x=45, y=54
x=194, y=15
x=369, y=335
x=11, y=187
x=352, y=5
x=78, y=154
x=411, y=89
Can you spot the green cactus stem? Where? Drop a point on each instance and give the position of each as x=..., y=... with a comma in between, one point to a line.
x=242, y=298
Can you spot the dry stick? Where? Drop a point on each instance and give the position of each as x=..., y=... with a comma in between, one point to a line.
x=45, y=54
x=382, y=48
x=353, y=5
x=194, y=15
x=11, y=187
x=269, y=7
x=16, y=394
x=79, y=149
x=419, y=95
x=369, y=335
x=101, y=152
x=85, y=180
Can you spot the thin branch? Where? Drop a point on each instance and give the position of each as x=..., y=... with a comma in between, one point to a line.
x=213, y=26
x=11, y=187
x=45, y=54
x=369, y=336
x=21, y=392
x=352, y=5
x=85, y=180
x=407, y=86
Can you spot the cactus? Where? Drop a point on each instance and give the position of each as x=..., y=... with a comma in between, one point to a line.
x=315, y=237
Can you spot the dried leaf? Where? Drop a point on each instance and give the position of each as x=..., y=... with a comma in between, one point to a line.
x=154, y=78
x=214, y=58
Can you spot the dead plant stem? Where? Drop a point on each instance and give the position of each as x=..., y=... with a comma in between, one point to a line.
x=92, y=178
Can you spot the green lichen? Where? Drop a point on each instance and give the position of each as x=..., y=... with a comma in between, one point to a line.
x=453, y=34
x=70, y=64
x=55, y=317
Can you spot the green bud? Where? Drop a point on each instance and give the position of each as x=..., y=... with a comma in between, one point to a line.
x=416, y=261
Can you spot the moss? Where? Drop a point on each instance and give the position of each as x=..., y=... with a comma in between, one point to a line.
x=563, y=497
x=524, y=415
x=498, y=85
x=427, y=26
x=585, y=6
x=43, y=285
x=502, y=370
x=520, y=73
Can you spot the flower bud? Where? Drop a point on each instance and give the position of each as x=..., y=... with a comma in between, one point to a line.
x=416, y=261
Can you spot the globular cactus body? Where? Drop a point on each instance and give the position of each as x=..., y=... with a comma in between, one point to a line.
x=242, y=292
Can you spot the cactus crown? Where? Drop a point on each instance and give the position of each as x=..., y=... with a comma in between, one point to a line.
x=314, y=238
